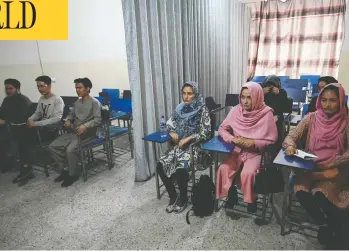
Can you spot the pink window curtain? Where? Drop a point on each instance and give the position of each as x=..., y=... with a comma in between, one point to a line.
x=297, y=37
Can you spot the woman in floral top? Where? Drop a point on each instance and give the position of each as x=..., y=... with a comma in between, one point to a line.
x=190, y=122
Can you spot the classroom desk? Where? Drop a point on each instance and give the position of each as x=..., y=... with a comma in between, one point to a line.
x=291, y=163
x=217, y=145
x=154, y=138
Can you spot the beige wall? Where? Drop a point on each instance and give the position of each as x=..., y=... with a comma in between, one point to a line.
x=343, y=75
x=95, y=49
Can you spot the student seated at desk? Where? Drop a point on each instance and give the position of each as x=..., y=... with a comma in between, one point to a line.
x=189, y=122
x=14, y=112
x=48, y=112
x=324, y=193
x=85, y=117
x=276, y=98
x=251, y=127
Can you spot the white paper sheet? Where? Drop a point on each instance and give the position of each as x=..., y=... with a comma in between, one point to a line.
x=305, y=155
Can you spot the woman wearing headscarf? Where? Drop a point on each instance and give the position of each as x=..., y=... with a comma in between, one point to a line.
x=324, y=191
x=189, y=122
x=276, y=98
x=250, y=126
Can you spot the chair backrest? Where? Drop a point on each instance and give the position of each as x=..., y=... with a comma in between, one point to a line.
x=211, y=105
x=69, y=100
x=123, y=105
x=298, y=95
x=305, y=110
x=105, y=96
x=213, y=123
x=313, y=79
x=113, y=93
x=231, y=99
x=258, y=79
x=295, y=83
x=105, y=114
x=66, y=111
x=283, y=79
x=127, y=94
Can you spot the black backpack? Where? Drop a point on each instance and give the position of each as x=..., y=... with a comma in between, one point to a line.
x=203, y=197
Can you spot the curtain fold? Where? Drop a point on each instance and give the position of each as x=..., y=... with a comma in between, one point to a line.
x=169, y=42
x=296, y=37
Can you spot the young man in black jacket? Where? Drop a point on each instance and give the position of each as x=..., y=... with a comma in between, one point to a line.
x=14, y=112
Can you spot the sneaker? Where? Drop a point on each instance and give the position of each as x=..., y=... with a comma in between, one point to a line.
x=171, y=206
x=181, y=206
x=69, y=180
x=252, y=207
x=62, y=176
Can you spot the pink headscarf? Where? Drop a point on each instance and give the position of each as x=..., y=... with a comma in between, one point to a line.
x=327, y=134
x=254, y=124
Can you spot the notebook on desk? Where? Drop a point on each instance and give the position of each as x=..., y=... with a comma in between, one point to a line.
x=293, y=161
x=217, y=144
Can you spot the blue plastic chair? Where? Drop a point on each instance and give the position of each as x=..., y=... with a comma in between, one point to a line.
x=121, y=110
x=258, y=79
x=100, y=99
x=123, y=105
x=313, y=80
x=113, y=93
x=305, y=110
x=283, y=79
x=295, y=83
x=298, y=95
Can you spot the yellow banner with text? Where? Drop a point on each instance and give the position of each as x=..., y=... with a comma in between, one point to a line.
x=34, y=20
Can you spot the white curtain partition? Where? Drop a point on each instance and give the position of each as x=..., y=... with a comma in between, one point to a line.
x=297, y=37
x=172, y=41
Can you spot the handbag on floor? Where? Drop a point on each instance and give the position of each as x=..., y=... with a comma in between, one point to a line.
x=203, y=197
x=269, y=180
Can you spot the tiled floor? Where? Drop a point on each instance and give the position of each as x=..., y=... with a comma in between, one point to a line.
x=111, y=211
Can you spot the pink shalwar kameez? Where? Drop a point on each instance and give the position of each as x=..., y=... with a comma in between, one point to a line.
x=257, y=124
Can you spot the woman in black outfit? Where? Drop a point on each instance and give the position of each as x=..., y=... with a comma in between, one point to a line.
x=276, y=98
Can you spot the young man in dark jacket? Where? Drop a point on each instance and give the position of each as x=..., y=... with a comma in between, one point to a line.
x=14, y=113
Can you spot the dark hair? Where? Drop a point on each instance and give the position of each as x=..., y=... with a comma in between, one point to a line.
x=328, y=80
x=46, y=79
x=14, y=82
x=84, y=81
x=331, y=88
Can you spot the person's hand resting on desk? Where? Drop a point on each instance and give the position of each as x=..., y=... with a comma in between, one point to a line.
x=290, y=151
